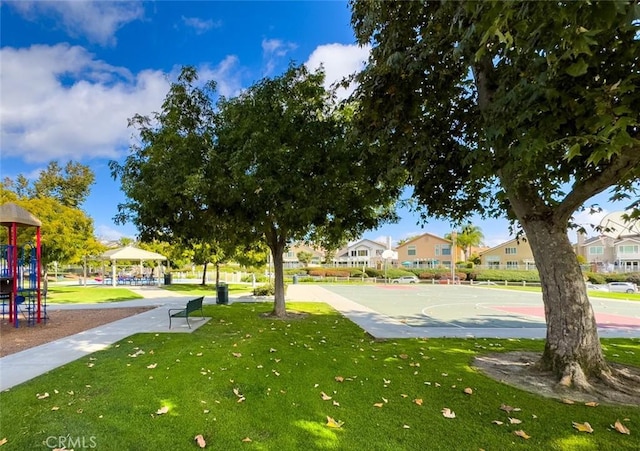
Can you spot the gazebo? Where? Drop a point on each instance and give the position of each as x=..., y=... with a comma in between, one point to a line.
x=21, y=266
x=128, y=253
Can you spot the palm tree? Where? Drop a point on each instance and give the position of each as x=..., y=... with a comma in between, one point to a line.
x=469, y=236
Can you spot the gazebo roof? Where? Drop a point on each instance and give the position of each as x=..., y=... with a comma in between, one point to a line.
x=11, y=213
x=130, y=253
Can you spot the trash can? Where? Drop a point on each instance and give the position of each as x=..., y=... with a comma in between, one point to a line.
x=167, y=279
x=295, y=279
x=222, y=294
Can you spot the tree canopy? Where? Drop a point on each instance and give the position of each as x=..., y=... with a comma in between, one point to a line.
x=522, y=109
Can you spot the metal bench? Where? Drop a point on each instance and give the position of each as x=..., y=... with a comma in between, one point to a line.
x=192, y=306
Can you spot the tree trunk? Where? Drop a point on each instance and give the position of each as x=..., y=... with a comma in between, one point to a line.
x=572, y=349
x=204, y=274
x=277, y=250
x=217, y=274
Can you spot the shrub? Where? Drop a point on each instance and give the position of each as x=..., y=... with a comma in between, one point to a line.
x=267, y=290
x=596, y=278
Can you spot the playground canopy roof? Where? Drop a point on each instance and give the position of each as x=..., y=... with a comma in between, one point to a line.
x=11, y=213
x=130, y=253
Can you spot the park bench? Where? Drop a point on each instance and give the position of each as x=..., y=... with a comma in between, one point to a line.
x=192, y=306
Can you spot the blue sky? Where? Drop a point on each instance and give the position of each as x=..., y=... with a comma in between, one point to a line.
x=72, y=73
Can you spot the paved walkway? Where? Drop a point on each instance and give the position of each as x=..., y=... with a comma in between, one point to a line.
x=23, y=366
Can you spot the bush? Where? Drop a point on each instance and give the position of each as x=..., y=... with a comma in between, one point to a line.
x=596, y=278
x=267, y=290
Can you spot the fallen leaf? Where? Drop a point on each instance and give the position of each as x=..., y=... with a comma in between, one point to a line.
x=200, y=441
x=508, y=408
x=237, y=393
x=406, y=426
x=247, y=440
x=385, y=400
x=152, y=366
x=42, y=396
x=241, y=399
x=378, y=404
x=448, y=413
x=621, y=428
x=591, y=404
x=3, y=441
x=403, y=356
x=498, y=422
x=336, y=403
x=404, y=395
x=162, y=410
x=521, y=433
x=386, y=381
x=514, y=421
x=272, y=350
x=582, y=427
x=55, y=408
x=324, y=396
x=333, y=423
x=236, y=354
x=568, y=401
x=339, y=378
x=468, y=391
x=418, y=401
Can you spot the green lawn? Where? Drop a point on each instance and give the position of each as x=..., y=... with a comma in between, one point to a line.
x=243, y=376
x=207, y=290
x=76, y=294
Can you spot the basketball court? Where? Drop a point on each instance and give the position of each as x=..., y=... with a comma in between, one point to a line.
x=426, y=306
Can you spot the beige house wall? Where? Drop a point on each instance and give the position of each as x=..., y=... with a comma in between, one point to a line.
x=427, y=251
x=512, y=254
x=290, y=256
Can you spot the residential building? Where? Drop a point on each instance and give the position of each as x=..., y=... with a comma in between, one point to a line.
x=361, y=254
x=514, y=254
x=290, y=256
x=616, y=249
x=427, y=251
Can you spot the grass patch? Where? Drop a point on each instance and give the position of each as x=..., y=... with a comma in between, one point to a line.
x=206, y=290
x=88, y=295
x=245, y=375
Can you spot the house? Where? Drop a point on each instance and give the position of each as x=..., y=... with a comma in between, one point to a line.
x=361, y=254
x=290, y=256
x=513, y=254
x=616, y=249
x=427, y=251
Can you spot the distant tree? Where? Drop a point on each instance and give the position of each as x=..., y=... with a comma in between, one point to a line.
x=524, y=109
x=467, y=237
x=304, y=257
x=407, y=239
x=70, y=186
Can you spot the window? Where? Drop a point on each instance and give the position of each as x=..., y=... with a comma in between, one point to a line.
x=510, y=250
x=493, y=265
x=628, y=249
x=379, y=252
x=512, y=265
x=596, y=250
x=363, y=253
x=353, y=253
x=411, y=250
x=290, y=254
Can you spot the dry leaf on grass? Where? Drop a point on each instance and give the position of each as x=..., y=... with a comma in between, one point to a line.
x=621, y=428
x=509, y=409
x=339, y=378
x=3, y=441
x=568, y=401
x=418, y=401
x=324, y=396
x=498, y=422
x=448, y=413
x=152, y=366
x=162, y=410
x=42, y=396
x=334, y=423
x=378, y=404
x=236, y=354
x=582, y=427
x=336, y=403
x=200, y=440
x=247, y=440
x=514, y=421
x=523, y=434
x=468, y=391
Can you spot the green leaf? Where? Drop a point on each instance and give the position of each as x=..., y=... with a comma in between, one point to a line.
x=574, y=151
x=578, y=68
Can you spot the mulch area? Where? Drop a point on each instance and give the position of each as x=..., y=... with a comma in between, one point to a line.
x=61, y=323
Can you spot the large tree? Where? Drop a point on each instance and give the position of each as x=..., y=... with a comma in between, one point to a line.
x=467, y=237
x=527, y=109
x=291, y=172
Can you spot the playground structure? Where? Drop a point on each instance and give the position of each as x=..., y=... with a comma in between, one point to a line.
x=21, y=268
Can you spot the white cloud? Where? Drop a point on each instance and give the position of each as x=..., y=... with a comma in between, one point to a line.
x=97, y=20
x=227, y=76
x=338, y=61
x=200, y=26
x=59, y=102
x=108, y=233
x=274, y=50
